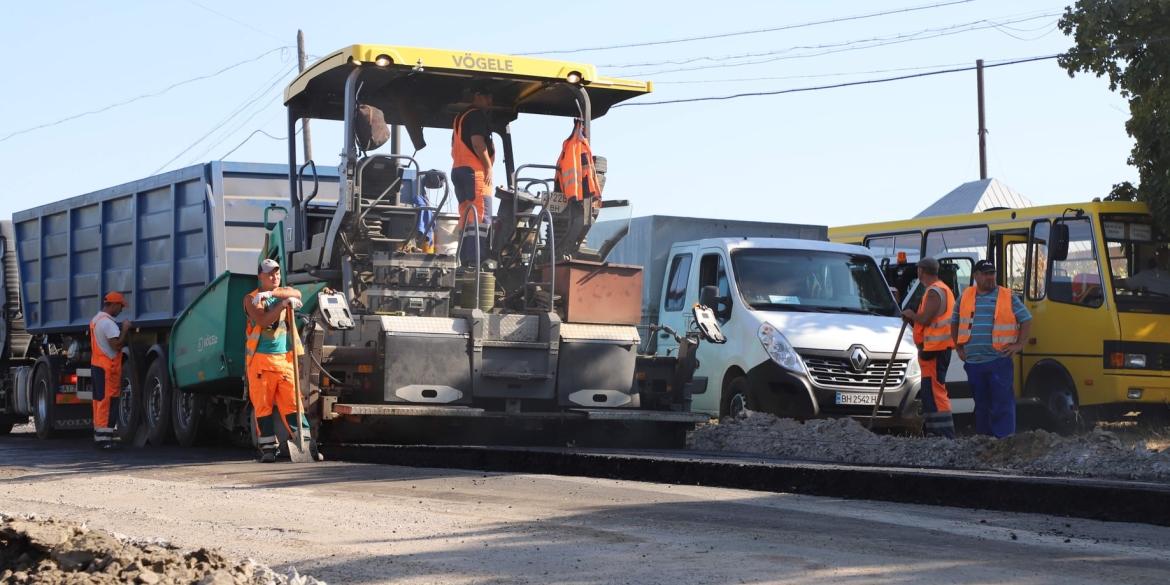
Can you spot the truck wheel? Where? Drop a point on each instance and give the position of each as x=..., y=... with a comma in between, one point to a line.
x=189, y=417
x=130, y=404
x=44, y=401
x=1061, y=402
x=156, y=402
x=735, y=398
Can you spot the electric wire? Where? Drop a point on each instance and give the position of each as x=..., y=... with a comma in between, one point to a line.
x=990, y=65
x=749, y=32
x=830, y=49
x=255, y=132
x=272, y=83
x=243, y=24
x=221, y=123
x=146, y=95
x=838, y=74
x=953, y=29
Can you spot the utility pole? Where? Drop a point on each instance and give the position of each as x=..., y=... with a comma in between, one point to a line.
x=982, y=122
x=305, y=121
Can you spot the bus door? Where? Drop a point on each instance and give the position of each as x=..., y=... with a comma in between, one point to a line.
x=1010, y=254
x=1070, y=314
x=957, y=250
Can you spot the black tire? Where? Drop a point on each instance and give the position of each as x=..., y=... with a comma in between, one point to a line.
x=735, y=397
x=1061, y=401
x=600, y=164
x=44, y=403
x=190, y=417
x=157, y=397
x=130, y=403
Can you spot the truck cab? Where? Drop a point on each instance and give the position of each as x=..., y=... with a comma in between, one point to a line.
x=810, y=327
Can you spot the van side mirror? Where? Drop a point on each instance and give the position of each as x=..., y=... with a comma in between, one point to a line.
x=1058, y=243
x=709, y=296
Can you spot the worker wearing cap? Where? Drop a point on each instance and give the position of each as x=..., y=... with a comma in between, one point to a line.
x=269, y=357
x=932, y=335
x=472, y=154
x=106, y=341
x=989, y=326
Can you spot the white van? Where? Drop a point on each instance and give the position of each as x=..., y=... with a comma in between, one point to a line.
x=811, y=327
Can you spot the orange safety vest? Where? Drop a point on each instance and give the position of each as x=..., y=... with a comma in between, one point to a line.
x=1004, y=331
x=252, y=343
x=98, y=358
x=936, y=336
x=461, y=156
x=575, y=176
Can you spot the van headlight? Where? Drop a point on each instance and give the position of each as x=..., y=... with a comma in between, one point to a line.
x=779, y=349
x=913, y=370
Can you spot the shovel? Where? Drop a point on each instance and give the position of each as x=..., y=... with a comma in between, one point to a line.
x=300, y=449
x=885, y=376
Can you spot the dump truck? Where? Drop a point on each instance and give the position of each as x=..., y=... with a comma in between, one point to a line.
x=400, y=335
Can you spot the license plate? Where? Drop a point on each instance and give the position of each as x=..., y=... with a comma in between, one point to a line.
x=557, y=202
x=864, y=399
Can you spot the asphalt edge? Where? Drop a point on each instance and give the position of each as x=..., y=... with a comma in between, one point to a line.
x=1075, y=497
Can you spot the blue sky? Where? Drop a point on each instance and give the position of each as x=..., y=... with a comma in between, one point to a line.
x=835, y=157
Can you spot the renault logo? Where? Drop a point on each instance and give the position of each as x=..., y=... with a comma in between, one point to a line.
x=859, y=359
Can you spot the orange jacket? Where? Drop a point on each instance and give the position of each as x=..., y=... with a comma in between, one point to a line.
x=461, y=156
x=98, y=358
x=936, y=336
x=1005, y=330
x=575, y=176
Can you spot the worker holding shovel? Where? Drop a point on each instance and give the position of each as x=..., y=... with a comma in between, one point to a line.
x=271, y=348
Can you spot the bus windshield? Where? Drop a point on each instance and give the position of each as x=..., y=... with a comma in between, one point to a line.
x=1137, y=261
x=811, y=281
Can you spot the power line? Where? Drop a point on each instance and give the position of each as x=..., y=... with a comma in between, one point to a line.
x=145, y=95
x=840, y=74
x=888, y=79
x=844, y=47
x=915, y=35
x=239, y=109
x=243, y=24
x=751, y=32
x=255, y=132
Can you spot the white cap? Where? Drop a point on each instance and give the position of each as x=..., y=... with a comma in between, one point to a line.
x=268, y=265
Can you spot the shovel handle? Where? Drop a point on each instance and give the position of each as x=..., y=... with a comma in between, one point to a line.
x=292, y=327
x=886, y=375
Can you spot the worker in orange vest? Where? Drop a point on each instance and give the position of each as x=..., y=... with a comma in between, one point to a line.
x=576, y=178
x=932, y=335
x=473, y=153
x=106, y=340
x=990, y=325
x=269, y=352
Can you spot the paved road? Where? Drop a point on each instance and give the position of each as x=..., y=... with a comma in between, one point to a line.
x=350, y=523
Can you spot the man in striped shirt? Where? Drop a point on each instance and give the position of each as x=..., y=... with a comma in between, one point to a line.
x=990, y=325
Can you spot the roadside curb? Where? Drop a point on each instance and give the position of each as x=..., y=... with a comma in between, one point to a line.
x=1095, y=499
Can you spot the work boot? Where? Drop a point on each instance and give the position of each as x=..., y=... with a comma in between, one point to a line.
x=268, y=456
x=107, y=446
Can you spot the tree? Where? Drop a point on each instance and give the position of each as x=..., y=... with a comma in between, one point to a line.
x=1129, y=41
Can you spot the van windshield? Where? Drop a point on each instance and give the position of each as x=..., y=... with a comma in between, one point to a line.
x=811, y=281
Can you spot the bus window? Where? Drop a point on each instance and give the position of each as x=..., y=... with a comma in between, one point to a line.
x=1077, y=279
x=1038, y=263
x=1015, y=259
x=888, y=247
x=956, y=273
x=1138, y=262
x=963, y=242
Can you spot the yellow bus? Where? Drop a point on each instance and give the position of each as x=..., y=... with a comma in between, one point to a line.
x=1101, y=335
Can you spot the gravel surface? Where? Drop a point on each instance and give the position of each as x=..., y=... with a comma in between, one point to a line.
x=49, y=551
x=1098, y=453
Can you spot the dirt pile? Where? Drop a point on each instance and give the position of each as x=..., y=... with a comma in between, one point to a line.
x=52, y=552
x=1095, y=454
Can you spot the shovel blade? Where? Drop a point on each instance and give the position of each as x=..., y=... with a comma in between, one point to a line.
x=300, y=450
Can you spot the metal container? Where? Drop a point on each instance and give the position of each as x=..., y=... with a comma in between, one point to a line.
x=207, y=342
x=158, y=240
x=487, y=291
x=598, y=293
x=650, y=238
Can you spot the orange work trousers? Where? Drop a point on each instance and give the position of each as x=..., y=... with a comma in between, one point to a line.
x=107, y=388
x=270, y=388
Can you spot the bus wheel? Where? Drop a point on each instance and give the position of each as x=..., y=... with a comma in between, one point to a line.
x=156, y=402
x=1061, y=402
x=735, y=398
x=129, y=404
x=189, y=417
x=44, y=401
